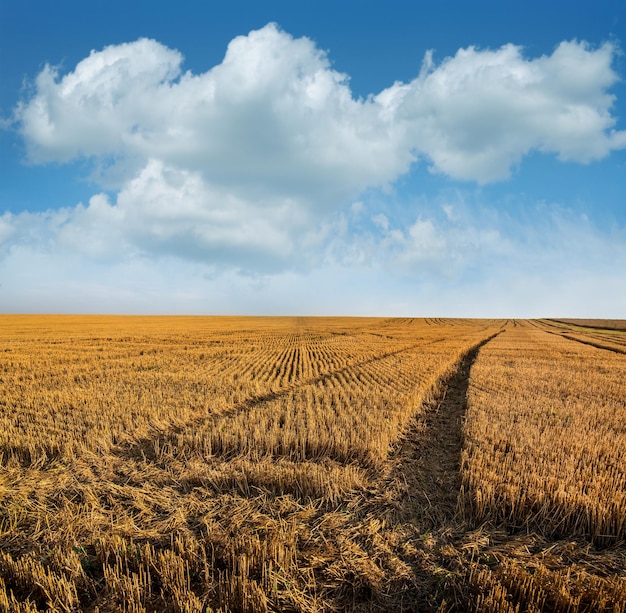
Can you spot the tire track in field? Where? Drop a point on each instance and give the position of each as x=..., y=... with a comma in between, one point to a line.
x=412, y=507
x=590, y=343
x=596, y=344
x=440, y=442
x=427, y=458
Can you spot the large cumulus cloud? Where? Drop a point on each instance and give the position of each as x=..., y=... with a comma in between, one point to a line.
x=478, y=113
x=248, y=164
x=275, y=115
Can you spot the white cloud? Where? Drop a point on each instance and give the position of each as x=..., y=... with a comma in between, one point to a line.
x=103, y=106
x=448, y=209
x=381, y=220
x=245, y=170
x=442, y=250
x=233, y=164
x=566, y=267
x=6, y=229
x=275, y=116
x=272, y=118
x=169, y=212
x=478, y=113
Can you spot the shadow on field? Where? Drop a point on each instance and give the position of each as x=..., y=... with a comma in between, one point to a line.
x=417, y=499
x=429, y=456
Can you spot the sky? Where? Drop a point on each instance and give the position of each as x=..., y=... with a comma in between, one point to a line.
x=448, y=159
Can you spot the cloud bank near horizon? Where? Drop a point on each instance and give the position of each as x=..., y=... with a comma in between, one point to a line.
x=253, y=168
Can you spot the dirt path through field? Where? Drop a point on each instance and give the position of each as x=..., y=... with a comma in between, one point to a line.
x=437, y=447
x=416, y=500
x=428, y=457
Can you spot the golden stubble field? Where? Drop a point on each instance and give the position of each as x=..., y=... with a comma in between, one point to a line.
x=311, y=464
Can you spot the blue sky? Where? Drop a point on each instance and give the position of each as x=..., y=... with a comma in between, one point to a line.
x=278, y=157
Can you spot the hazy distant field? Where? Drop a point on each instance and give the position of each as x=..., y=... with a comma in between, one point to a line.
x=608, y=324
x=311, y=464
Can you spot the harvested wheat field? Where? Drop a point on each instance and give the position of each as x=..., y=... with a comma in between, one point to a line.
x=188, y=464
